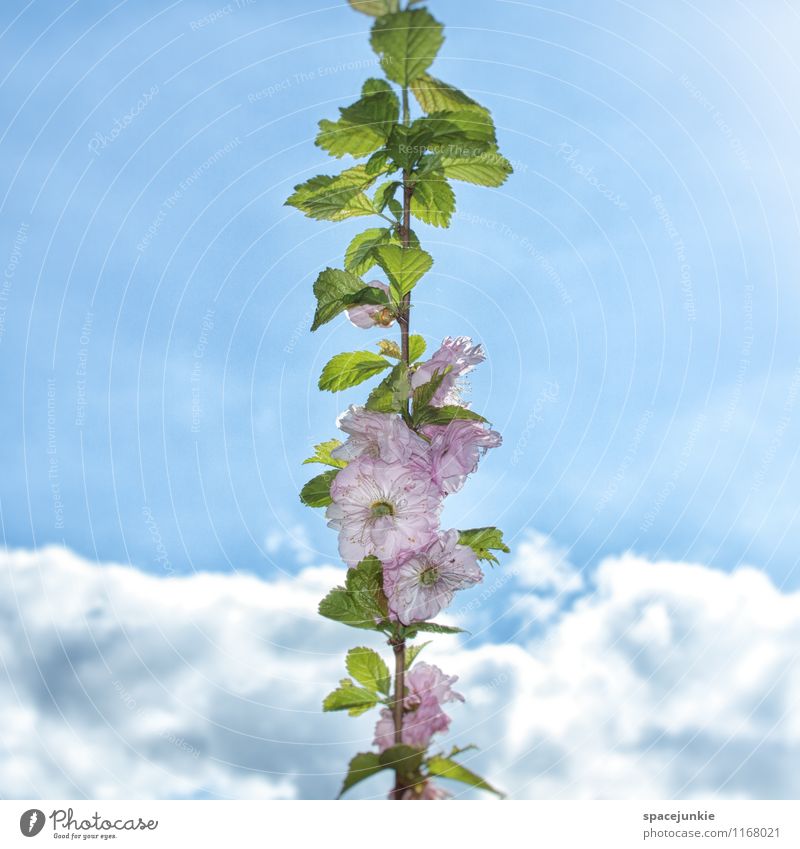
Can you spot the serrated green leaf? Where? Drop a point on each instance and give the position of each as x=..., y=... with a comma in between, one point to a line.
x=317, y=492
x=413, y=651
x=427, y=415
x=436, y=96
x=364, y=126
x=322, y=454
x=355, y=700
x=483, y=541
x=448, y=768
x=433, y=200
x=396, y=208
x=407, y=760
x=336, y=290
x=363, y=765
x=390, y=348
x=423, y=394
x=334, y=198
x=488, y=168
x=403, y=266
x=350, y=369
x=407, y=43
x=390, y=395
x=374, y=8
x=368, y=668
x=384, y=194
x=434, y=628
x=467, y=132
x=361, y=602
x=359, y=257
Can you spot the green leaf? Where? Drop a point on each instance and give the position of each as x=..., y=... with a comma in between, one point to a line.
x=384, y=194
x=434, y=628
x=355, y=700
x=368, y=668
x=374, y=8
x=488, y=168
x=426, y=415
x=467, y=132
x=413, y=651
x=363, y=765
x=336, y=290
x=433, y=200
x=407, y=43
x=403, y=266
x=448, y=768
x=334, y=198
x=322, y=454
x=361, y=602
x=396, y=208
x=436, y=96
x=365, y=125
x=407, y=760
x=424, y=393
x=317, y=492
x=350, y=369
x=416, y=347
x=359, y=257
x=389, y=348
x=483, y=541
x=390, y=395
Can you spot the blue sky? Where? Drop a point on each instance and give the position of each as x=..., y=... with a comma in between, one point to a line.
x=634, y=282
x=656, y=158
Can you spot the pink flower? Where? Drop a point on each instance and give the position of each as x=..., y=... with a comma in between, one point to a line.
x=425, y=582
x=382, y=436
x=455, y=450
x=428, y=688
x=461, y=355
x=381, y=508
x=370, y=315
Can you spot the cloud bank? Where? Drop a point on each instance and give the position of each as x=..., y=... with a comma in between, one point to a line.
x=645, y=680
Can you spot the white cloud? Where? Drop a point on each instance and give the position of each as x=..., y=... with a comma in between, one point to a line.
x=661, y=680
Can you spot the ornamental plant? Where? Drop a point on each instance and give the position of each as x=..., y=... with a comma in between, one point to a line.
x=415, y=440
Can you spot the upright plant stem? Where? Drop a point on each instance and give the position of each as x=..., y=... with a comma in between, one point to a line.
x=403, y=319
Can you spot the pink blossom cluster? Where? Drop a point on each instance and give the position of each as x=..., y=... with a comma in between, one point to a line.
x=428, y=689
x=387, y=502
